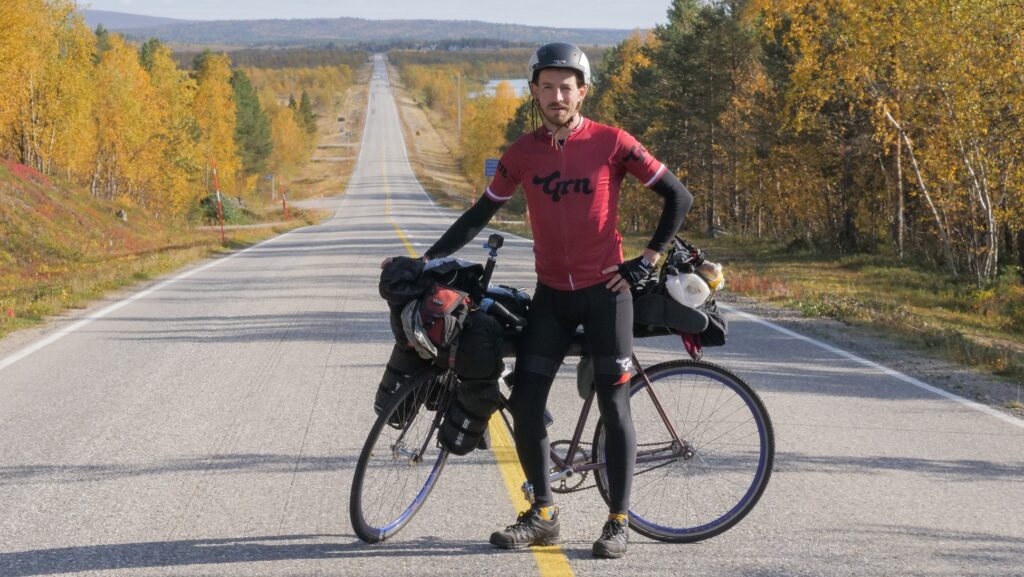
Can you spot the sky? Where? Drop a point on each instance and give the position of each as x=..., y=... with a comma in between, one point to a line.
x=622, y=14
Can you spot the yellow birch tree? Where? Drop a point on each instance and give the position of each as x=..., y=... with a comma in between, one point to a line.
x=177, y=134
x=214, y=107
x=127, y=160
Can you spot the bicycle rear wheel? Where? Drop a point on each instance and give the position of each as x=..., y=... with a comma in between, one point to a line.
x=699, y=488
x=401, y=460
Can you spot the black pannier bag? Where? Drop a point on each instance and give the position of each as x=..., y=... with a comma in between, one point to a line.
x=432, y=324
x=478, y=365
x=479, y=352
x=467, y=417
x=403, y=364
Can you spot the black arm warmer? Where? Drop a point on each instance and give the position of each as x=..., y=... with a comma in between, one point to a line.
x=465, y=228
x=678, y=201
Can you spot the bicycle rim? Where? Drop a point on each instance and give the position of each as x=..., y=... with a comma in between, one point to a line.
x=680, y=497
x=398, y=467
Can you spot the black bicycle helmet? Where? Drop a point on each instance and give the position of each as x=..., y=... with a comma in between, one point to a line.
x=559, y=55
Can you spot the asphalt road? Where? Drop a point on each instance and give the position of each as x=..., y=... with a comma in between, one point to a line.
x=207, y=424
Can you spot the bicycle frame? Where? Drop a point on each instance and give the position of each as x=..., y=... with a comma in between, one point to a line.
x=729, y=476
x=570, y=465
x=447, y=380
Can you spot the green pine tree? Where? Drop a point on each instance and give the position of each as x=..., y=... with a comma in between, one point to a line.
x=306, y=116
x=252, y=127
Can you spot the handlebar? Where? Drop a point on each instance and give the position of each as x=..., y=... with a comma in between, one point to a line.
x=498, y=310
x=487, y=304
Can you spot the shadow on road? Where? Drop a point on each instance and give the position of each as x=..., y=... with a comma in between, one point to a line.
x=218, y=551
x=233, y=463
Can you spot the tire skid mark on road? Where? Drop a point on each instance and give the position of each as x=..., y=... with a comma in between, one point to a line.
x=314, y=404
x=233, y=434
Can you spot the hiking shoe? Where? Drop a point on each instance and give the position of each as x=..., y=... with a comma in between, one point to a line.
x=613, y=540
x=528, y=530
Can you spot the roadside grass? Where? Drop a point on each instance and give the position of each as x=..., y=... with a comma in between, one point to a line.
x=31, y=294
x=917, y=305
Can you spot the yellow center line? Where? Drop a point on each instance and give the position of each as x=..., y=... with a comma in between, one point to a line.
x=387, y=211
x=551, y=561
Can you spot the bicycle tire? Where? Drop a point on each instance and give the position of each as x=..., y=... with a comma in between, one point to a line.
x=683, y=500
x=392, y=480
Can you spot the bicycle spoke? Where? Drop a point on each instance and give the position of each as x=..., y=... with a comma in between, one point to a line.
x=397, y=468
x=726, y=463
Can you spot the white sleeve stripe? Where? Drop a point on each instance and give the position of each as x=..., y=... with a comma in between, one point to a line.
x=657, y=175
x=495, y=197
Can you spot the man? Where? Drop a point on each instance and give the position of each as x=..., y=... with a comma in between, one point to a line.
x=571, y=169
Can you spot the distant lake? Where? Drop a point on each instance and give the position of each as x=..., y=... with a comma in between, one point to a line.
x=520, y=85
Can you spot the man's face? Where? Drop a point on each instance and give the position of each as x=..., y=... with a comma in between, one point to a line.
x=558, y=94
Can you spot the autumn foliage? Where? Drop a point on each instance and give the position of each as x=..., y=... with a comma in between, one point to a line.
x=849, y=126
x=132, y=127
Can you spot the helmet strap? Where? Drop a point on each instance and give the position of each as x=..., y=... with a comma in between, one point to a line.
x=568, y=124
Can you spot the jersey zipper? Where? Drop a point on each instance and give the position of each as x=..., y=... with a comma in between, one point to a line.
x=561, y=209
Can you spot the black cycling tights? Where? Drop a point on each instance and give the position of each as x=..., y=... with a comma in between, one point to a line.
x=607, y=318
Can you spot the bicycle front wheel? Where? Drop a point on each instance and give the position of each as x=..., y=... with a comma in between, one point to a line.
x=704, y=479
x=401, y=460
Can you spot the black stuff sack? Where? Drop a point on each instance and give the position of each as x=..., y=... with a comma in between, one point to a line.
x=656, y=313
x=401, y=280
x=718, y=328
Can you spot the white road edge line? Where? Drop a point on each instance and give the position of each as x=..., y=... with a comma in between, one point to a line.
x=50, y=339
x=886, y=370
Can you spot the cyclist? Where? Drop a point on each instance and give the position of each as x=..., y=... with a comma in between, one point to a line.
x=571, y=169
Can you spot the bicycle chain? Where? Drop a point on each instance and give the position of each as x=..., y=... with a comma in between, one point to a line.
x=562, y=487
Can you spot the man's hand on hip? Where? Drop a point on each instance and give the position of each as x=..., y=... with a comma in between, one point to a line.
x=629, y=273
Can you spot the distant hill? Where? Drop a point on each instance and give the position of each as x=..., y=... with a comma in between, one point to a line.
x=357, y=31
x=123, y=22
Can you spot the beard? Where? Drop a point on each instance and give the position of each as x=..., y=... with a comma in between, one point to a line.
x=559, y=116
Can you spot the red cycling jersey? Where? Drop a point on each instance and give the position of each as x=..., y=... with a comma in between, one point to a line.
x=572, y=193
